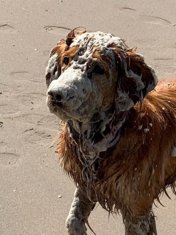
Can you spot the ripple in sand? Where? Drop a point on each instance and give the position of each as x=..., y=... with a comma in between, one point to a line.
x=56, y=29
x=18, y=72
x=37, y=137
x=157, y=20
x=127, y=9
x=6, y=28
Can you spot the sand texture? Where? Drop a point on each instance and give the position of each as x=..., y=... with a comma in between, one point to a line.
x=35, y=194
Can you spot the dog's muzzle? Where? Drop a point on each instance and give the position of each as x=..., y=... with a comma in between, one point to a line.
x=69, y=92
x=60, y=95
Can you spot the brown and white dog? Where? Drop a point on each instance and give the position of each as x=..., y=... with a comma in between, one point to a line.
x=118, y=141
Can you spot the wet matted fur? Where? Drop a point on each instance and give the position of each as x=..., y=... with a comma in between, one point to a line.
x=118, y=140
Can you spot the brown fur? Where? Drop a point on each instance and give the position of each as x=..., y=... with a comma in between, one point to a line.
x=132, y=173
x=139, y=167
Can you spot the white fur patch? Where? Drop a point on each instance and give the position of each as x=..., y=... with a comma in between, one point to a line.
x=88, y=42
x=74, y=84
x=52, y=63
x=98, y=39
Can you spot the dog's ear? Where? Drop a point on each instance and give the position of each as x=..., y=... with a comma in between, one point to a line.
x=73, y=33
x=134, y=80
x=53, y=70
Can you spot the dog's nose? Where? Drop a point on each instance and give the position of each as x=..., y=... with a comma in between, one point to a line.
x=55, y=95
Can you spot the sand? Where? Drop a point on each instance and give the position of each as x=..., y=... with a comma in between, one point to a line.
x=35, y=194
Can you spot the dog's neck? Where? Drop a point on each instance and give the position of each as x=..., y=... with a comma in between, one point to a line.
x=94, y=138
x=99, y=134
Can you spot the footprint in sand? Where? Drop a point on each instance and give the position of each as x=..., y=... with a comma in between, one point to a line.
x=27, y=117
x=6, y=28
x=56, y=29
x=37, y=136
x=8, y=159
x=31, y=98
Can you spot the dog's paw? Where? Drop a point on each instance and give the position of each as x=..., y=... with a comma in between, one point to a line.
x=75, y=226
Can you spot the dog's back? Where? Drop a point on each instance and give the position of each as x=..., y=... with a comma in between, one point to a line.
x=162, y=109
x=143, y=163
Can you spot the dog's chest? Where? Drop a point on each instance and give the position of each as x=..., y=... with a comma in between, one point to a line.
x=93, y=140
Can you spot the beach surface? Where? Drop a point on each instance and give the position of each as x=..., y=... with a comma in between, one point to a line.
x=35, y=194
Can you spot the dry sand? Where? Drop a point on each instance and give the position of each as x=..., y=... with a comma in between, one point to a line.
x=35, y=195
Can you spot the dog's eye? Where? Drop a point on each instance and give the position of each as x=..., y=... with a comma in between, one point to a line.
x=98, y=69
x=66, y=60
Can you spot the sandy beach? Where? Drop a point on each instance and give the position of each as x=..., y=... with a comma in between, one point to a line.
x=35, y=194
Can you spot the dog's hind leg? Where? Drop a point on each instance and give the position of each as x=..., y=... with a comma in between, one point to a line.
x=80, y=210
x=143, y=225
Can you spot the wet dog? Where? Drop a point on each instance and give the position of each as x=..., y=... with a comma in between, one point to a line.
x=118, y=141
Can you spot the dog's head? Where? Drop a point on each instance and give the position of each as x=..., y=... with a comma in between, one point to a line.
x=89, y=73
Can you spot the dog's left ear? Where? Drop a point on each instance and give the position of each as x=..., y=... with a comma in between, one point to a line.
x=135, y=79
x=73, y=33
x=53, y=69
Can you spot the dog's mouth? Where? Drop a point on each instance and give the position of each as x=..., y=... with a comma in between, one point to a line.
x=71, y=109
x=57, y=107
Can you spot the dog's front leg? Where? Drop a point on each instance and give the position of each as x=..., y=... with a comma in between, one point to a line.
x=144, y=225
x=79, y=213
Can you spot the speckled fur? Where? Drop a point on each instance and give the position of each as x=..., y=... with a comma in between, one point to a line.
x=140, y=167
x=132, y=173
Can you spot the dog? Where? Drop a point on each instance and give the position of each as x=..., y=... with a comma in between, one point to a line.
x=118, y=137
